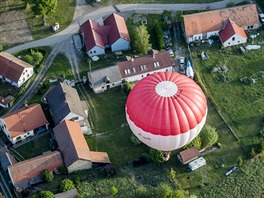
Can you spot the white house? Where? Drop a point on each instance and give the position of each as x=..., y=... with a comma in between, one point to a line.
x=65, y=104
x=131, y=70
x=24, y=123
x=136, y=68
x=203, y=25
x=14, y=70
x=232, y=34
x=113, y=35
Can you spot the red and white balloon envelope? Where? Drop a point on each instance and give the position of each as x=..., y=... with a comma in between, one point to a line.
x=166, y=111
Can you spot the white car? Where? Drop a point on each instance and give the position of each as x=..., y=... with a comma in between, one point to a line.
x=261, y=16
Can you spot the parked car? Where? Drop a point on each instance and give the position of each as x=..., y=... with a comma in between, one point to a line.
x=171, y=52
x=233, y=169
x=181, y=65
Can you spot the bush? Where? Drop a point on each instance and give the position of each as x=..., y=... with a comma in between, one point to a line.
x=252, y=152
x=240, y=161
x=48, y=176
x=127, y=86
x=155, y=155
x=66, y=185
x=63, y=170
x=113, y=190
x=108, y=171
x=209, y=136
x=43, y=194
x=77, y=180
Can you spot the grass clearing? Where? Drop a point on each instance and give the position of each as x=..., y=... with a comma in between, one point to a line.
x=238, y=102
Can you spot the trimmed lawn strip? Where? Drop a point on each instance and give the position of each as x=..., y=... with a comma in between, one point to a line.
x=35, y=148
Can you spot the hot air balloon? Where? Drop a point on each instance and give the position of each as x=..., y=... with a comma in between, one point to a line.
x=166, y=111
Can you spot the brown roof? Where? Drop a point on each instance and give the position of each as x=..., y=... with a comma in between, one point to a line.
x=91, y=37
x=230, y=30
x=71, y=142
x=100, y=157
x=145, y=64
x=33, y=167
x=188, y=155
x=118, y=28
x=96, y=35
x=12, y=67
x=245, y=15
x=25, y=119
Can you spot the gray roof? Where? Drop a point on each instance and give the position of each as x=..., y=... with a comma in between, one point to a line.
x=62, y=100
x=6, y=159
x=100, y=76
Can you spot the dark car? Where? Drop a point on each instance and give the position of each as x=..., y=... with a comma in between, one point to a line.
x=181, y=65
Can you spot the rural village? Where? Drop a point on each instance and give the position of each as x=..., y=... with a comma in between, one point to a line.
x=132, y=100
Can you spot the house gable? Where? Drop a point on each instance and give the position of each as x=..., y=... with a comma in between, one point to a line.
x=245, y=16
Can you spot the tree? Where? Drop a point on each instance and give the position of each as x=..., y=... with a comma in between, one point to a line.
x=209, y=136
x=113, y=190
x=140, y=39
x=159, y=35
x=240, y=161
x=37, y=56
x=45, y=7
x=48, y=176
x=1, y=48
x=197, y=142
x=127, y=86
x=66, y=185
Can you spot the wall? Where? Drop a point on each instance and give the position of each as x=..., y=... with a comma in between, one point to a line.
x=80, y=165
x=96, y=50
x=120, y=44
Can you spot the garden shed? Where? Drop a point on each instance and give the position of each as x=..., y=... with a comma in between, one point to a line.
x=188, y=155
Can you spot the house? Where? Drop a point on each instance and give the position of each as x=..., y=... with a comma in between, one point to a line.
x=188, y=155
x=131, y=70
x=136, y=68
x=26, y=173
x=65, y=104
x=104, y=78
x=14, y=70
x=74, y=148
x=24, y=123
x=6, y=159
x=112, y=35
x=232, y=34
x=203, y=25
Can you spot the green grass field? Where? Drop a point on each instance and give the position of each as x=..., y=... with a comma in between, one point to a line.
x=241, y=104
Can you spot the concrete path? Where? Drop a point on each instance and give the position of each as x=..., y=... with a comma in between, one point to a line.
x=80, y=17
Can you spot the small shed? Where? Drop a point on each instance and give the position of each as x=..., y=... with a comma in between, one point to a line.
x=188, y=155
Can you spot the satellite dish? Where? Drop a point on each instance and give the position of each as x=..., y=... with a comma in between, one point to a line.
x=95, y=58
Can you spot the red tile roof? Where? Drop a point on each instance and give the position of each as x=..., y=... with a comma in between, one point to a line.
x=230, y=30
x=71, y=142
x=34, y=167
x=12, y=67
x=100, y=157
x=204, y=22
x=163, y=60
x=118, y=28
x=188, y=155
x=24, y=120
x=96, y=35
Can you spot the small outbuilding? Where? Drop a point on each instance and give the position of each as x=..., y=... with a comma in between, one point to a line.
x=188, y=155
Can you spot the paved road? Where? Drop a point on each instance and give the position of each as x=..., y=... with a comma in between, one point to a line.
x=80, y=17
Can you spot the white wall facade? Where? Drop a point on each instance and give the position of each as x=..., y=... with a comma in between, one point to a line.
x=120, y=45
x=104, y=87
x=234, y=40
x=79, y=165
x=22, y=137
x=142, y=75
x=199, y=37
x=27, y=73
x=74, y=117
x=96, y=50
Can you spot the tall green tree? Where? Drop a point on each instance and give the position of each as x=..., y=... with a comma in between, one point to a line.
x=45, y=7
x=140, y=39
x=209, y=136
x=66, y=185
x=159, y=35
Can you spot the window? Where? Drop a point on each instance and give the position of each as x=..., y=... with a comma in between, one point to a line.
x=228, y=43
x=134, y=69
x=27, y=75
x=233, y=38
x=94, y=51
x=91, y=52
x=251, y=26
x=142, y=76
x=127, y=71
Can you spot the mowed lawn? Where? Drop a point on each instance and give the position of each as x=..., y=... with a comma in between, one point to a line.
x=240, y=103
